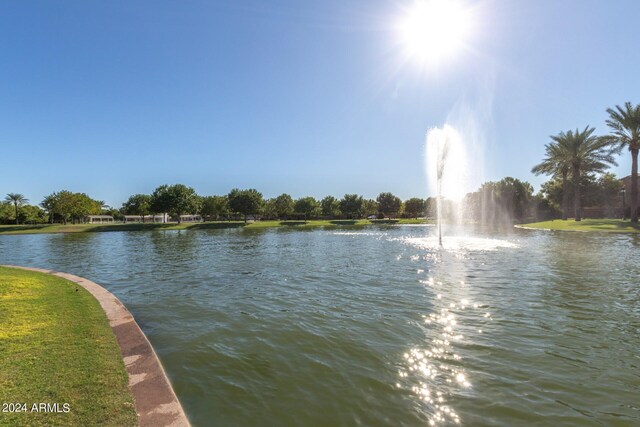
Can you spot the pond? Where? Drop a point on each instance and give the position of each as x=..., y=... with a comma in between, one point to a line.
x=376, y=326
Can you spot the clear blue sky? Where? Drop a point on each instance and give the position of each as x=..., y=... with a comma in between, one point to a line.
x=304, y=97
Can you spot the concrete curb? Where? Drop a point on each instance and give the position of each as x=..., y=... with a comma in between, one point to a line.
x=156, y=402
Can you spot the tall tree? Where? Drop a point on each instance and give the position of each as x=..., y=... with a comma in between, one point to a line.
x=388, y=204
x=352, y=205
x=307, y=206
x=269, y=209
x=370, y=208
x=514, y=197
x=609, y=188
x=245, y=202
x=30, y=214
x=587, y=153
x=625, y=127
x=557, y=164
x=214, y=207
x=415, y=207
x=138, y=204
x=17, y=200
x=176, y=200
x=66, y=206
x=330, y=207
x=283, y=206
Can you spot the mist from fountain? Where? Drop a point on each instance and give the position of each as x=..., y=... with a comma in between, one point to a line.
x=446, y=166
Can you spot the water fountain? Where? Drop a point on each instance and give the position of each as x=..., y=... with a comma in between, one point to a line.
x=441, y=144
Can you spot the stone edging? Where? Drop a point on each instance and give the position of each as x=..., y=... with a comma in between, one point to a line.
x=156, y=403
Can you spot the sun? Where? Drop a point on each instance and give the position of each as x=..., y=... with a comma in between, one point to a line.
x=432, y=30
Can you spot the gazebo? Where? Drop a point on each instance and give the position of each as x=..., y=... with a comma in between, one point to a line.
x=145, y=218
x=190, y=218
x=98, y=219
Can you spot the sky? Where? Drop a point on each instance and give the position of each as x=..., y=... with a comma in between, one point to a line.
x=301, y=97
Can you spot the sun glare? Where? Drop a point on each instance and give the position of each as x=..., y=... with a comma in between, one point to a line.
x=434, y=29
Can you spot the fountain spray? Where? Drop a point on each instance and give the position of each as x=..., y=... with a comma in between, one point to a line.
x=443, y=150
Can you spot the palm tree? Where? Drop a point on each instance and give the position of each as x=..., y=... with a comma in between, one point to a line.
x=587, y=153
x=625, y=125
x=17, y=200
x=556, y=163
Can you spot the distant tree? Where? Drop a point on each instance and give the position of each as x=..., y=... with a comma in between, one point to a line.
x=214, y=207
x=138, y=204
x=307, y=206
x=283, y=206
x=557, y=163
x=6, y=213
x=370, y=207
x=587, y=153
x=66, y=206
x=542, y=208
x=609, y=188
x=432, y=206
x=388, y=204
x=245, y=202
x=415, y=207
x=17, y=200
x=352, y=206
x=269, y=210
x=500, y=202
x=48, y=205
x=176, y=200
x=514, y=196
x=115, y=213
x=330, y=207
x=625, y=126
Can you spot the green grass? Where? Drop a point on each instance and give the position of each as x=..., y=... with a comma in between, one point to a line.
x=602, y=225
x=56, y=346
x=97, y=228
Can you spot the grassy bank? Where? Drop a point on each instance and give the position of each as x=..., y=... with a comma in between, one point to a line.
x=588, y=225
x=96, y=228
x=56, y=346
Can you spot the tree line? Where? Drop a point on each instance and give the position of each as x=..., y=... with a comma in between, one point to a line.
x=176, y=200
x=503, y=201
x=179, y=199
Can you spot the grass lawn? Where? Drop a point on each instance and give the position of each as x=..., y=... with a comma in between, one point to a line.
x=602, y=225
x=56, y=346
x=212, y=225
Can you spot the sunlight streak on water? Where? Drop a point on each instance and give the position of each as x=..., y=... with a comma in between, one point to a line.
x=434, y=372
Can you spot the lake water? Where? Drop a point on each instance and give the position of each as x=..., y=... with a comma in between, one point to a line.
x=376, y=326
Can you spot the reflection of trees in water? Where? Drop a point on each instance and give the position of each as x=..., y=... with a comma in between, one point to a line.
x=590, y=316
x=81, y=251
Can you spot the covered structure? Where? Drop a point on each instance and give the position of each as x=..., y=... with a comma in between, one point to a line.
x=98, y=219
x=145, y=218
x=190, y=218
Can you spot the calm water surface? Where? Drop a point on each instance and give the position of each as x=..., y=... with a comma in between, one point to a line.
x=376, y=326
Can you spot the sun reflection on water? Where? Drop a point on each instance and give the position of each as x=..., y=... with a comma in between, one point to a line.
x=460, y=243
x=433, y=372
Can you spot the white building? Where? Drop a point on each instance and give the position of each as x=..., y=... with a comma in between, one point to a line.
x=98, y=219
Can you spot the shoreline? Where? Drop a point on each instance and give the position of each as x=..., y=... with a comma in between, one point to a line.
x=587, y=225
x=156, y=403
x=210, y=225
